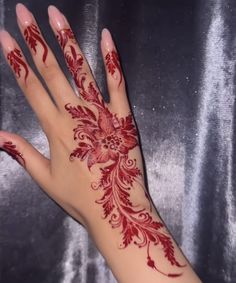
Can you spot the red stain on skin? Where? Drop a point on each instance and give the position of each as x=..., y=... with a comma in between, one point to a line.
x=15, y=59
x=113, y=64
x=10, y=148
x=103, y=137
x=33, y=37
x=64, y=36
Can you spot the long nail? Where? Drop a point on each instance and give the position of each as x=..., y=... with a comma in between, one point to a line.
x=6, y=41
x=24, y=15
x=56, y=18
x=107, y=40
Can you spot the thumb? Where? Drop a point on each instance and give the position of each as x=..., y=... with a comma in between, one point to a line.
x=37, y=165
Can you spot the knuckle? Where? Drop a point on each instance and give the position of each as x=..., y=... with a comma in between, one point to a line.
x=50, y=73
x=31, y=83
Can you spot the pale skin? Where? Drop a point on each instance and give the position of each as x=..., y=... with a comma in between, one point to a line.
x=71, y=181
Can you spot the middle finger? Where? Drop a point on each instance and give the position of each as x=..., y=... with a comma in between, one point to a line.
x=74, y=57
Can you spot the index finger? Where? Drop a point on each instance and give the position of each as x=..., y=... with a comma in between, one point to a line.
x=74, y=57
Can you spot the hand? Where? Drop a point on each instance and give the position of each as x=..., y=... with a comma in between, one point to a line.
x=85, y=134
x=95, y=170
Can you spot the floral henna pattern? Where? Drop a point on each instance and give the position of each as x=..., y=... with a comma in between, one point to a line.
x=16, y=61
x=33, y=37
x=10, y=148
x=112, y=62
x=102, y=137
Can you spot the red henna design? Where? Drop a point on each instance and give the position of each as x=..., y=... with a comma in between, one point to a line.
x=64, y=36
x=75, y=61
x=10, y=148
x=33, y=37
x=15, y=59
x=103, y=137
x=112, y=62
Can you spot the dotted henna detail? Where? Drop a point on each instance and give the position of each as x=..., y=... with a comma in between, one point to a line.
x=103, y=137
x=16, y=61
x=10, y=148
x=33, y=37
x=113, y=64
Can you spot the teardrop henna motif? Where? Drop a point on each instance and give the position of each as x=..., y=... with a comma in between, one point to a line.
x=15, y=59
x=10, y=148
x=103, y=137
x=33, y=37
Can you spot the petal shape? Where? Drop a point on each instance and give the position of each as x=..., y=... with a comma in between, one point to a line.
x=98, y=155
x=129, y=142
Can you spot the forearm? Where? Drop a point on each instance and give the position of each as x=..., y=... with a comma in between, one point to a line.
x=138, y=248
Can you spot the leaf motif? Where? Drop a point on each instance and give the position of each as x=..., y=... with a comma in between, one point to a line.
x=168, y=247
x=108, y=207
x=78, y=112
x=82, y=151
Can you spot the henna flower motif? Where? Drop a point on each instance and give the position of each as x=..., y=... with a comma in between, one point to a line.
x=101, y=137
x=111, y=141
x=109, y=137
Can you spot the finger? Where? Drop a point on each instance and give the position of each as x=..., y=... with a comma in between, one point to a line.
x=43, y=58
x=28, y=82
x=37, y=165
x=74, y=57
x=115, y=79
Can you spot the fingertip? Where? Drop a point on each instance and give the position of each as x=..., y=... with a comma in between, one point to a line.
x=107, y=40
x=6, y=41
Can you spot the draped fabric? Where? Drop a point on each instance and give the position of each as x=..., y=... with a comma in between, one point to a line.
x=178, y=58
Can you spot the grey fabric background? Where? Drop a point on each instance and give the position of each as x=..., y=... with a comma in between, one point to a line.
x=179, y=62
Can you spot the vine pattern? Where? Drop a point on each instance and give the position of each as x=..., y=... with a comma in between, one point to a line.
x=103, y=137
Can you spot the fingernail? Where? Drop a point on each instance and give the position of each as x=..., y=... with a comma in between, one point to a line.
x=24, y=15
x=107, y=40
x=56, y=17
x=6, y=41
